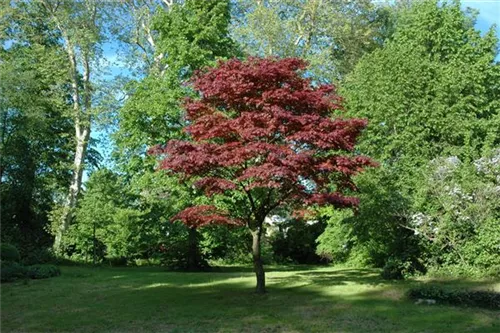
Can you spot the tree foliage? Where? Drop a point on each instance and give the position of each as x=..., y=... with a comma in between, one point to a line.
x=188, y=36
x=251, y=137
x=331, y=35
x=35, y=126
x=262, y=133
x=431, y=93
x=191, y=36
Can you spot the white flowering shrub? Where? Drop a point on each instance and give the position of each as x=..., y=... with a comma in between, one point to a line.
x=457, y=210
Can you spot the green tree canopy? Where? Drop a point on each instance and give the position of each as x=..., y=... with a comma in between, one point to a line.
x=432, y=92
x=35, y=126
x=331, y=35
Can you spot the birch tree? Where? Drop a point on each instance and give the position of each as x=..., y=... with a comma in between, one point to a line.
x=81, y=30
x=133, y=28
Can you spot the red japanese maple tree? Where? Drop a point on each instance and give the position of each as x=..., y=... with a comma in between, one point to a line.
x=264, y=135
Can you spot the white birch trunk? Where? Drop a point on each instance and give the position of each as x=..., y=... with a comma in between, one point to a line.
x=74, y=188
x=82, y=104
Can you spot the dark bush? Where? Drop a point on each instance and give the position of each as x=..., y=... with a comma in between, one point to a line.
x=397, y=268
x=40, y=256
x=116, y=261
x=295, y=242
x=225, y=244
x=477, y=298
x=394, y=269
x=174, y=256
x=181, y=250
x=43, y=271
x=11, y=271
x=9, y=252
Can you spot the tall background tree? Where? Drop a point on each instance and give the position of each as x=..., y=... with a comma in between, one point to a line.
x=80, y=28
x=331, y=35
x=35, y=126
x=431, y=94
x=181, y=38
x=133, y=28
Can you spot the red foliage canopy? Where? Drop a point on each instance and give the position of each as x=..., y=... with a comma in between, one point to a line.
x=262, y=129
x=204, y=214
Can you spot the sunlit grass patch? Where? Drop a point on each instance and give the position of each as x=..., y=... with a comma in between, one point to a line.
x=322, y=299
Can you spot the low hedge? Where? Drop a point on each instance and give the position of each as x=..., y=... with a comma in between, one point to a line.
x=42, y=271
x=12, y=271
x=460, y=297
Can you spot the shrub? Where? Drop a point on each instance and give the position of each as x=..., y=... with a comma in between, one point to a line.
x=9, y=252
x=11, y=271
x=223, y=244
x=478, y=298
x=394, y=269
x=402, y=266
x=40, y=256
x=463, y=271
x=116, y=261
x=43, y=271
x=295, y=242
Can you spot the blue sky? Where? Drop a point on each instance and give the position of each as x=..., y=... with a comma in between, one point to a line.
x=489, y=14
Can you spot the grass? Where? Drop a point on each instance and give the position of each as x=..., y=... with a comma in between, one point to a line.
x=300, y=299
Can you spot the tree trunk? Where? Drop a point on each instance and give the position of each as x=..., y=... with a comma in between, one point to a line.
x=1, y=169
x=257, y=261
x=82, y=119
x=94, y=241
x=192, y=259
x=74, y=189
x=195, y=261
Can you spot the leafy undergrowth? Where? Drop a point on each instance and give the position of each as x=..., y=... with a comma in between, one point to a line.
x=300, y=299
x=462, y=297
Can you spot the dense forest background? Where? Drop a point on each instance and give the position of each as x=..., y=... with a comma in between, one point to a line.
x=76, y=123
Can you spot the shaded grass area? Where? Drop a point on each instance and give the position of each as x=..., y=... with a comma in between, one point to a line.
x=300, y=299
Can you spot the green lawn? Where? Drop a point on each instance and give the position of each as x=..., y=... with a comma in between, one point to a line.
x=321, y=299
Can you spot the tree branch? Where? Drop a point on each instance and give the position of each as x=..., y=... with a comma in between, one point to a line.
x=417, y=232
